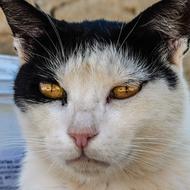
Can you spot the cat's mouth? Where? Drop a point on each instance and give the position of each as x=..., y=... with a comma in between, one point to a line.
x=85, y=159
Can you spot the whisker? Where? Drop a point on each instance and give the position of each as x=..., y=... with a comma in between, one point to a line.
x=56, y=32
x=130, y=32
x=121, y=30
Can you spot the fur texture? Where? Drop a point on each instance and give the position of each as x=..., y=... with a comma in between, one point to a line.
x=142, y=141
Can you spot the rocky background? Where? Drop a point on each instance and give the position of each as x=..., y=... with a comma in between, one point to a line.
x=77, y=10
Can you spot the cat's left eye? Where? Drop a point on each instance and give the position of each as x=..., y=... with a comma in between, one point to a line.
x=126, y=91
x=52, y=91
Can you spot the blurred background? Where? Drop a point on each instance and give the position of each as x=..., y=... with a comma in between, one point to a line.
x=77, y=10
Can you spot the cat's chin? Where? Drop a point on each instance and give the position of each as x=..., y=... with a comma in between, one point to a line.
x=87, y=166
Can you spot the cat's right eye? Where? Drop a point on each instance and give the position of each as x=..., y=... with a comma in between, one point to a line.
x=125, y=91
x=53, y=91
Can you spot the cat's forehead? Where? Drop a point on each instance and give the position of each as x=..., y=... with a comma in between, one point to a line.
x=103, y=64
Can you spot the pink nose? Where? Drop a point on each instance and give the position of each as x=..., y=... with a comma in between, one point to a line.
x=81, y=139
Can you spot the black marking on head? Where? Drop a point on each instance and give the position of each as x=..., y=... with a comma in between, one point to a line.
x=147, y=36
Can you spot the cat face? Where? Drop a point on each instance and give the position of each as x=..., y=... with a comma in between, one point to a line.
x=93, y=127
x=123, y=126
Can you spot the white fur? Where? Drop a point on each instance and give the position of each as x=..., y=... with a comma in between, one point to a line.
x=144, y=138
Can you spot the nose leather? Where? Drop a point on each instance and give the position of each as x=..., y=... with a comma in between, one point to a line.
x=81, y=139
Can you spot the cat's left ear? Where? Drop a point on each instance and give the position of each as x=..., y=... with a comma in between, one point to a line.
x=166, y=25
x=27, y=24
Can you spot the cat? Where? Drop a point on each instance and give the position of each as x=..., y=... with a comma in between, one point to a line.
x=103, y=105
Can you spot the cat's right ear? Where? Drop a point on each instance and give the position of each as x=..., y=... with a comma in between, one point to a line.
x=27, y=24
x=164, y=30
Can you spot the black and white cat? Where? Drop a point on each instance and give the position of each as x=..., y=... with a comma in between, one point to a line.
x=103, y=105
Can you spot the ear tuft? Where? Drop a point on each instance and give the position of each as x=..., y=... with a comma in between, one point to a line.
x=178, y=48
x=19, y=49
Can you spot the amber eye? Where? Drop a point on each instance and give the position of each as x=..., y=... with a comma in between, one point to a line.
x=52, y=91
x=123, y=92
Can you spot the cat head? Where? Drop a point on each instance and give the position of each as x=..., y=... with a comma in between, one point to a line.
x=101, y=97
